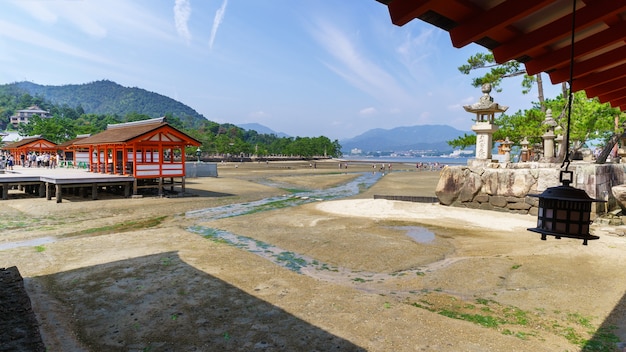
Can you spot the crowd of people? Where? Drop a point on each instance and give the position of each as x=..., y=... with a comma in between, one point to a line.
x=7, y=160
x=32, y=159
x=429, y=166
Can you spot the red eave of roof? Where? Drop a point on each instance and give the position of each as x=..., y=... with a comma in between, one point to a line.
x=538, y=34
x=26, y=141
x=126, y=133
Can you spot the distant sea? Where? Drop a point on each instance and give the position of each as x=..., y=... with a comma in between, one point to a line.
x=409, y=160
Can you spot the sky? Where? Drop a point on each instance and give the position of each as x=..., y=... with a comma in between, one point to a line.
x=305, y=68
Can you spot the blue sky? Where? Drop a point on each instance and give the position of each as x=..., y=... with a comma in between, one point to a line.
x=305, y=68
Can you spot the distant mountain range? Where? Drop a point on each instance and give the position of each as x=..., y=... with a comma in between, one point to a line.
x=432, y=138
x=106, y=97
x=416, y=138
x=261, y=129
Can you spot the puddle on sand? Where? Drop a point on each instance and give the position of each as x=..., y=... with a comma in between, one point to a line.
x=29, y=243
x=416, y=233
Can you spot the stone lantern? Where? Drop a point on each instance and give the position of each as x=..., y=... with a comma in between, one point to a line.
x=559, y=144
x=506, y=148
x=485, y=110
x=549, y=136
x=524, y=143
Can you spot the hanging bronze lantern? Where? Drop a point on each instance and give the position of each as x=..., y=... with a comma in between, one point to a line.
x=564, y=211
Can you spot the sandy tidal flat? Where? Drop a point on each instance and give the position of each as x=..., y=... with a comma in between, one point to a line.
x=127, y=275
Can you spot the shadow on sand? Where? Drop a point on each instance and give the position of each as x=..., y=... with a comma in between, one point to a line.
x=606, y=337
x=160, y=303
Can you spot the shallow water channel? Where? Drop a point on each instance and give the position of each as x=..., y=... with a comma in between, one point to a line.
x=362, y=182
x=294, y=261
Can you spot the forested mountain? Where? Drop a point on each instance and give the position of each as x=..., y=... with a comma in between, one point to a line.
x=109, y=98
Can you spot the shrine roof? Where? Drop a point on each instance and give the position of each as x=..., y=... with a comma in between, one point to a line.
x=126, y=132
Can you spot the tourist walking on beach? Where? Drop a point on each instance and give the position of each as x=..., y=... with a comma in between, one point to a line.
x=53, y=161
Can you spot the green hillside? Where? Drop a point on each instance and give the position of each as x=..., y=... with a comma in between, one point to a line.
x=108, y=98
x=89, y=108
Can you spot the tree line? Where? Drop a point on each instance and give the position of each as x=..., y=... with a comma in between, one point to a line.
x=217, y=139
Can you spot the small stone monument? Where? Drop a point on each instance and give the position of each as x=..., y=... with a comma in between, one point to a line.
x=485, y=110
x=549, y=136
x=524, y=152
x=560, y=141
x=506, y=148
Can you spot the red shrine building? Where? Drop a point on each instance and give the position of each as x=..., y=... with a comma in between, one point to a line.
x=151, y=151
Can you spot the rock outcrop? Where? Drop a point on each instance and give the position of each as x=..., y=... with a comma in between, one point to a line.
x=513, y=187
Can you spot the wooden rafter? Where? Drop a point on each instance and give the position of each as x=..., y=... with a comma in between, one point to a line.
x=493, y=20
x=560, y=57
x=608, y=87
x=557, y=30
x=598, y=78
x=597, y=63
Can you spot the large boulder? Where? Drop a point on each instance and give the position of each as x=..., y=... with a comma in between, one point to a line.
x=451, y=180
x=471, y=187
x=619, y=192
x=507, y=182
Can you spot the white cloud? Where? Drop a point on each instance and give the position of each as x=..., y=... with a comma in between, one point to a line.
x=219, y=16
x=96, y=18
x=87, y=25
x=368, y=111
x=415, y=51
x=182, y=12
x=25, y=35
x=75, y=12
x=38, y=10
x=356, y=68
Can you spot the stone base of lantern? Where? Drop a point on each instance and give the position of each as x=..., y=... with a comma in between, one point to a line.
x=506, y=187
x=484, y=133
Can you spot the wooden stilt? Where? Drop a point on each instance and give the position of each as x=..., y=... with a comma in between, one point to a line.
x=59, y=196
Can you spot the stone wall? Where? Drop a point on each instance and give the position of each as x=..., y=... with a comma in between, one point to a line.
x=507, y=186
x=202, y=169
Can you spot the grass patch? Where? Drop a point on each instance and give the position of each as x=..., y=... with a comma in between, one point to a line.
x=277, y=204
x=291, y=261
x=295, y=190
x=484, y=320
x=523, y=324
x=40, y=249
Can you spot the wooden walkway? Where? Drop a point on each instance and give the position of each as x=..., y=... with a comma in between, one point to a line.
x=51, y=182
x=416, y=199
